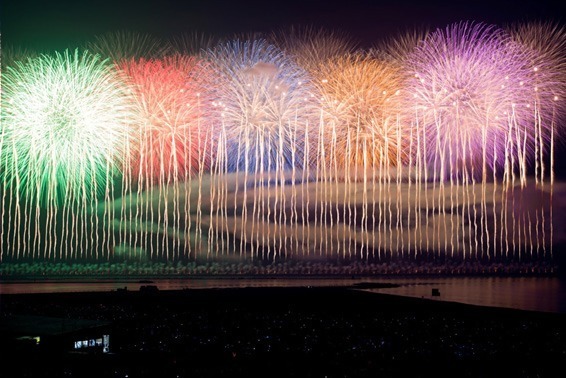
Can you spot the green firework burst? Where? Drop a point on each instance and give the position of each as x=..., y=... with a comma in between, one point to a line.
x=64, y=125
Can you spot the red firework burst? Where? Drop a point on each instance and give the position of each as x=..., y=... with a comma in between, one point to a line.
x=172, y=134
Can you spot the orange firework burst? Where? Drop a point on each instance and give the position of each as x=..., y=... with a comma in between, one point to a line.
x=361, y=101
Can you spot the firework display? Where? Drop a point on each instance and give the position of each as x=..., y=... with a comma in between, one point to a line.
x=437, y=145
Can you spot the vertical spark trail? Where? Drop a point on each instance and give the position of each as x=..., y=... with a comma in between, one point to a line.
x=169, y=95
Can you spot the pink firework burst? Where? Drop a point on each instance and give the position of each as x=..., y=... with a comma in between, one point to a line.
x=471, y=94
x=547, y=43
x=171, y=138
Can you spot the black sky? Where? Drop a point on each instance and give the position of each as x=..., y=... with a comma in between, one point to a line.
x=56, y=24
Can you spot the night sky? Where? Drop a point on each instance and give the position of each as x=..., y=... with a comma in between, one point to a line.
x=56, y=24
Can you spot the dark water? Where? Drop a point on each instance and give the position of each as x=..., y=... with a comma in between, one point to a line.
x=526, y=293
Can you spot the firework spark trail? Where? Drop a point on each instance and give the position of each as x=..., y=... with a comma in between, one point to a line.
x=11, y=55
x=494, y=212
x=399, y=196
x=124, y=45
x=225, y=189
x=167, y=94
x=361, y=96
x=5, y=218
x=109, y=214
x=419, y=189
x=398, y=50
x=551, y=215
x=193, y=44
x=546, y=43
x=64, y=118
x=410, y=171
x=313, y=48
x=305, y=195
x=400, y=47
x=258, y=91
x=373, y=210
x=360, y=100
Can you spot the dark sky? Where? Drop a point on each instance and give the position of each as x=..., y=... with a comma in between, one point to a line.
x=55, y=24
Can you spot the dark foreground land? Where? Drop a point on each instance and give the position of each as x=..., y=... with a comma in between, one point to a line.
x=290, y=332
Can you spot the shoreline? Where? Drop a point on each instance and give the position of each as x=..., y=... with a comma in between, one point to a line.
x=245, y=296
x=521, y=293
x=139, y=278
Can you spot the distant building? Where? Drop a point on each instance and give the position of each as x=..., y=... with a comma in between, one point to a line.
x=51, y=334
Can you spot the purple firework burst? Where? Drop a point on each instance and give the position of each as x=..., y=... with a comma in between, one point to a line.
x=473, y=100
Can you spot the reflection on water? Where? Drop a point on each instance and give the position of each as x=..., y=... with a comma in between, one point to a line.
x=170, y=284
x=526, y=293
